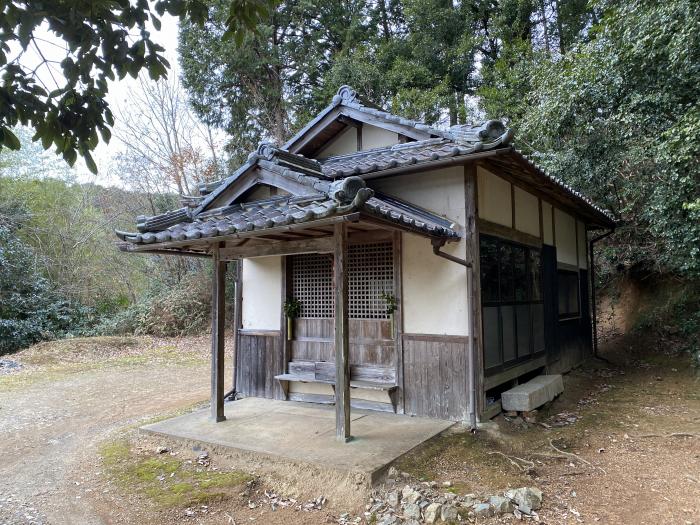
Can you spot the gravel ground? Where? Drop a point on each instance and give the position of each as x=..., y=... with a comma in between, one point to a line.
x=52, y=419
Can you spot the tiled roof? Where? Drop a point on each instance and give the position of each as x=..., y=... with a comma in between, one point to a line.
x=323, y=175
x=340, y=198
x=577, y=195
x=407, y=154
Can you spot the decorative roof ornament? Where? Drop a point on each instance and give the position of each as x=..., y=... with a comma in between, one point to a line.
x=349, y=190
x=266, y=150
x=491, y=129
x=346, y=95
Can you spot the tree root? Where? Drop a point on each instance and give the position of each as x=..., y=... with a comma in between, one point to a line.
x=567, y=455
x=672, y=435
x=570, y=454
x=525, y=467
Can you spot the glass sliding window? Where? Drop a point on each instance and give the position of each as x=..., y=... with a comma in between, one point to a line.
x=489, y=269
x=511, y=297
x=492, y=337
x=508, y=329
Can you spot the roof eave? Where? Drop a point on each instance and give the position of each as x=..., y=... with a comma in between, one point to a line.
x=600, y=218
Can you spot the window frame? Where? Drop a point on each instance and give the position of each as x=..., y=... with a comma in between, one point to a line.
x=512, y=301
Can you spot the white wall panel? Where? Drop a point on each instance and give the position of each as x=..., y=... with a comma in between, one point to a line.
x=434, y=289
x=375, y=137
x=345, y=142
x=565, y=237
x=582, y=244
x=262, y=293
x=547, y=235
x=494, y=198
x=527, y=212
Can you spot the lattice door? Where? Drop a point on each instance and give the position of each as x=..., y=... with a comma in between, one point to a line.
x=312, y=284
x=370, y=273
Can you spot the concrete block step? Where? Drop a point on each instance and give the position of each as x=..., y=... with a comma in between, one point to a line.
x=532, y=394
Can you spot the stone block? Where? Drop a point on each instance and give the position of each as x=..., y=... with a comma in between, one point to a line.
x=533, y=394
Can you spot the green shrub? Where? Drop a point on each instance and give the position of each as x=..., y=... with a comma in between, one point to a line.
x=165, y=311
x=30, y=310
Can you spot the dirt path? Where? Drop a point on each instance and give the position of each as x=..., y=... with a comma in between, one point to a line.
x=51, y=426
x=633, y=427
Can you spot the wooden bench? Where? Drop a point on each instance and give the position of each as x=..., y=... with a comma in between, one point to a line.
x=361, y=376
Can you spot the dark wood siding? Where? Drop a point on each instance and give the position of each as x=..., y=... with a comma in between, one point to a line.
x=435, y=376
x=260, y=358
x=574, y=336
x=551, y=310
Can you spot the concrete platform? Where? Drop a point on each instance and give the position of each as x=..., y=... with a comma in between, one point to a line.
x=304, y=432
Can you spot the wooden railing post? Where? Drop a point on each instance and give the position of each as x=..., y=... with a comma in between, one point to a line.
x=342, y=343
x=218, y=315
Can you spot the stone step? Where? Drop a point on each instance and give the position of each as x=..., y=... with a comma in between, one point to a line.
x=532, y=394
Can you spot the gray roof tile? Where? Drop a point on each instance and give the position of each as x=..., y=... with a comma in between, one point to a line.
x=340, y=198
x=193, y=222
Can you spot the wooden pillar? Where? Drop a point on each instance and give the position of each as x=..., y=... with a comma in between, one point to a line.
x=218, y=314
x=471, y=200
x=237, y=321
x=398, y=324
x=342, y=343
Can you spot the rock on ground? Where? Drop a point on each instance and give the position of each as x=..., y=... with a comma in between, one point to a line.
x=527, y=498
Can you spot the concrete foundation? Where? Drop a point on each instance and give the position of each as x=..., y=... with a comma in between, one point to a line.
x=532, y=394
x=304, y=432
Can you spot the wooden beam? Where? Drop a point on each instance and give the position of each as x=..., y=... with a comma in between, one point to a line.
x=218, y=325
x=398, y=324
x=320, y=245
x=363, y=236
x=174, y=252
x=342, y=342
x=314, y=131
x=491, y=228
x=285, y=343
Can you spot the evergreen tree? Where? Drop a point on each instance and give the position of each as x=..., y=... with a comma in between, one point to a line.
x=264, y=87
x=619, y=117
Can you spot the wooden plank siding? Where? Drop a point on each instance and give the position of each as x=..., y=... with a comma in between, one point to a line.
x=370, y=341
x=435, y=376
x=260, y=358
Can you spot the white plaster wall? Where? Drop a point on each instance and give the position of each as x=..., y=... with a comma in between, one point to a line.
x=375, y=137
x=582, y=245
x=345, y=142
x=434, y=289
x=494, y=198
x=262, y=293
x=527, y=212
x=565, y=237
x=547, y=236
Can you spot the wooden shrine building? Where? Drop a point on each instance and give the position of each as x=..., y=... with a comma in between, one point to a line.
x=426, y=269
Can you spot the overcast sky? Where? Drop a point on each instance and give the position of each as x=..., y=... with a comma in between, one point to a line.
x=54, y=49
